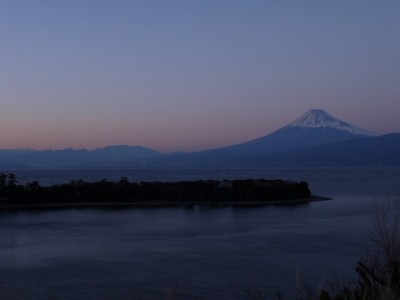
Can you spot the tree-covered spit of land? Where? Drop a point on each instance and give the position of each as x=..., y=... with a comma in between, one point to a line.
x=211, y=192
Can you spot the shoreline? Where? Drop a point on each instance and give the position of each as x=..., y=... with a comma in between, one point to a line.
x=123, y=193
x=123, y=205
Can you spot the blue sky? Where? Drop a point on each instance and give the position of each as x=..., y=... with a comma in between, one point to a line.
x=191, y=75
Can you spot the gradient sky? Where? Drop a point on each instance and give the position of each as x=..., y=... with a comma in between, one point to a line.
x=191, y=74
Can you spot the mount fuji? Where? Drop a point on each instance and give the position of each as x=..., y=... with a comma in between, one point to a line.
x=318, y=118
x=314, y=128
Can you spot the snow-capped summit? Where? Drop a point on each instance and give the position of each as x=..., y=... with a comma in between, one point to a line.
x=318, y=118
x=315, y=127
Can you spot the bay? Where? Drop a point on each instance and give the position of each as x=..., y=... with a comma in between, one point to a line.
x=196, y=252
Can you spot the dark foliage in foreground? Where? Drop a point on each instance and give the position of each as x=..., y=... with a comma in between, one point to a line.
x=379, y=271
x=123, y=191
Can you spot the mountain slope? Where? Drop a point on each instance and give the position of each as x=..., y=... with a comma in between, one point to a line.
x=368, y=151
x=315, y=127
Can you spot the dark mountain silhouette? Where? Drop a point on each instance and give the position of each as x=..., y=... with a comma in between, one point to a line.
x=368, y=151
x=112, y=156
x=315, y=127
x=314, y=139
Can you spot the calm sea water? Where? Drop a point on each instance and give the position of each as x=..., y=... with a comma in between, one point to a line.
x=195, y=252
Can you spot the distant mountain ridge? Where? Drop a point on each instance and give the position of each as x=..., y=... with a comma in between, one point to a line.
x=316, y=138
x=110, y=156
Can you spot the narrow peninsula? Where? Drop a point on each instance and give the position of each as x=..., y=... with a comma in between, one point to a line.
x=123, y=192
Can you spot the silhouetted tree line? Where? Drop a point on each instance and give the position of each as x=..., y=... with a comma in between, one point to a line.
x=201, y=191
